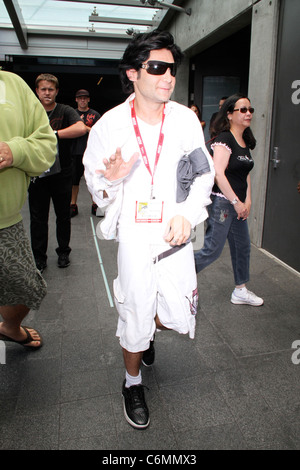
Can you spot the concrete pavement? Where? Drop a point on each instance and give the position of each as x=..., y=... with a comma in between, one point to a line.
x=235, y=386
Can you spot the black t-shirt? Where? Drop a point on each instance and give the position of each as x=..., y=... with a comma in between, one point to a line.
x=60, y=117
x=89, y=117
x=239, y=165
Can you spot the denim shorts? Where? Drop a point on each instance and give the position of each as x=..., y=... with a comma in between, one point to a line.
x=20, y=281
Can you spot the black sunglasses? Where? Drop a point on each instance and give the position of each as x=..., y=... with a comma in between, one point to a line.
x=156, y=67
x=243, y=110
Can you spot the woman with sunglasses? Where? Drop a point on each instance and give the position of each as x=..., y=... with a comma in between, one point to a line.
x=231, y=195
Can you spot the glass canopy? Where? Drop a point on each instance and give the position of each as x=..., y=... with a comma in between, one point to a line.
x=81, y=15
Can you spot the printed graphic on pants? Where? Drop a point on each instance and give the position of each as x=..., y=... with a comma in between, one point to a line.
x=193, y=301
x=223, y=216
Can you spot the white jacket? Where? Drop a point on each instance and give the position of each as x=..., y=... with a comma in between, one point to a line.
x=182, y=134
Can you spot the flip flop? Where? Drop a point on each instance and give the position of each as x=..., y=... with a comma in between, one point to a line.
x=29, y=339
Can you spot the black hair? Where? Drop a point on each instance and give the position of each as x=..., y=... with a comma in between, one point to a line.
x=138, y=51
x=199, y=115
x=222, y=123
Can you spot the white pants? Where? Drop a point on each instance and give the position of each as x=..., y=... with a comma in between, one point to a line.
x=143, y=289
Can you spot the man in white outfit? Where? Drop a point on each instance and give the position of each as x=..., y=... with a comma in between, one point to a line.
x=131, y=166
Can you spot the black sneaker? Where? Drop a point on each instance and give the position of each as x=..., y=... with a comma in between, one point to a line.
x=63, y=260
x=73, y=210
x=135, y=408
x=149, y=355
x=41, y=265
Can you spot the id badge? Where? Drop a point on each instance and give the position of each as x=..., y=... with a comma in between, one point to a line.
x=150, y=211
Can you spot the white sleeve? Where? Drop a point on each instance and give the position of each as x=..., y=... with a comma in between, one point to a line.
x=96, y=150
x=194, y=207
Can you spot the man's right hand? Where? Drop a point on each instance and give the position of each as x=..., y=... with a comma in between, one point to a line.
x=6, y=156
x=116, y=168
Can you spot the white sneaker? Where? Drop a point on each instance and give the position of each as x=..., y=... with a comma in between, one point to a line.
x=248, y=298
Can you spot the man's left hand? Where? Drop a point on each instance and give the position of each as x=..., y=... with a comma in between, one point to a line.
x=178, y=230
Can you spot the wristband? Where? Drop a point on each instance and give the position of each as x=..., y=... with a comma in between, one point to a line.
x=234, y=201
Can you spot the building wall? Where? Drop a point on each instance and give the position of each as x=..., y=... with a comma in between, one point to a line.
x=210, y=22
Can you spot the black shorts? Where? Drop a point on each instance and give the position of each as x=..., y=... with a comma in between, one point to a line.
x=77, y=169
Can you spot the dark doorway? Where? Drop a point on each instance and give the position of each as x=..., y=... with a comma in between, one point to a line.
x=220, y=70
x=99, y=77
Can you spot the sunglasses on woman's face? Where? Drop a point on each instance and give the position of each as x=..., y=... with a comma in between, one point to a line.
x=243, y=110
x=156, y=67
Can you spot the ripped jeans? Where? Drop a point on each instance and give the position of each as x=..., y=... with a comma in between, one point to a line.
x=223, y=224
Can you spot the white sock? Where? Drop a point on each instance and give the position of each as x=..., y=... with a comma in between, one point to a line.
x=132, y=380
x=240, y=290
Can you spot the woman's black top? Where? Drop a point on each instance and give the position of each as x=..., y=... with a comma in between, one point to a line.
x=239, y=165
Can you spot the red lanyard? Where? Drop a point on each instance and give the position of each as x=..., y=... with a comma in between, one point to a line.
x=141, y=144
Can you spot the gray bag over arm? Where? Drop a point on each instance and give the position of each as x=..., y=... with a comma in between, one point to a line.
x=189, y=167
